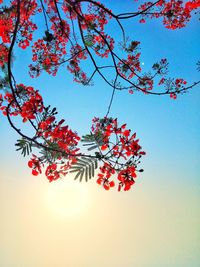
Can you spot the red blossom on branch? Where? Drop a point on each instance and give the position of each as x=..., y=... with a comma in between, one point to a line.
x=35, y=164
x=175, y=13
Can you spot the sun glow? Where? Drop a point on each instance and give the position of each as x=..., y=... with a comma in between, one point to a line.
x=67, y=198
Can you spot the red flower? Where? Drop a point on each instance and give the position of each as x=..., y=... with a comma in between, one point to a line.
x=126, y=133
x=173, y=95
x=104, y=147
x=35, y=165
x=46, y=124
x=161, y=81
x=142, y=21
x=105, y=182
x=51, y=172
x=126, y=178
x=103, y=178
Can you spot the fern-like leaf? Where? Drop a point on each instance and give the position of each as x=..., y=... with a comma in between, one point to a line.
x=25, y=146
x=84, y=167
x=92, y=140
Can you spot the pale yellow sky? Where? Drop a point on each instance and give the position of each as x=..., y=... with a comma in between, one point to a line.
x=151, y=226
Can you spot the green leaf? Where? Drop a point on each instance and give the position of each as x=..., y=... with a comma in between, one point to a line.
x=77, y=175
x=88, y=40
x=86, y=173
x=84, y=167
x=24, y=145
x=75, y=170
x=81, y=176
x=92, y=140
x=92, y=147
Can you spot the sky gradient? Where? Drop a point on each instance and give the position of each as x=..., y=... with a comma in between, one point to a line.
x=68, y=224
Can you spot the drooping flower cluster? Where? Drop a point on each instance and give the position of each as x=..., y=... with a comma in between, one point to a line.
x=57, y=142
x=125, y=177
x=29, y=103
x=121, y=149
x=52, y=171
x=106, y=171
x=33, y=103
x=63, y=137
x=36, y=165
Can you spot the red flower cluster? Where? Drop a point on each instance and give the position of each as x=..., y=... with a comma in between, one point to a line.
x=121, y=150
x=126, y=178
x=173, y=95
x=128, y=68
x=125, y=145
x=28, y=9
x=33, y=104
x=60, y=140
x=52, y=171
x=8, y=20
x=173, y=86
x=69, y=11
x=175, y=13
x=191, y=5
x=54, y=132
x=49, y=52
x=29, y=103
x=35, y=164
x=13, y=111
x=6, y=25
x=103, y=178
x=47, y=55
x=145, y=83
x=97, y=18
x=180, y=82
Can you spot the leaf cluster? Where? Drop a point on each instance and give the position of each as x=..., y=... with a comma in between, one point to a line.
x=84, y=167
x=93, y=141
x=25, y=146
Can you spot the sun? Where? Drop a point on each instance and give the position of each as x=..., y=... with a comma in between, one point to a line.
x=67, y=198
